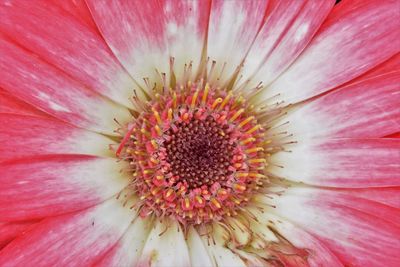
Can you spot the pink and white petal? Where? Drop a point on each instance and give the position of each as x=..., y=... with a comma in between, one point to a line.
x=233, y=26
x=199, y=256
x=389, y=196
x=10, y=230
x=369, y=108
x=92, y=64
x=50, y=90
x=357, y=36
x=28, y=135
x=389, y=66
x=42, y=186
x=135, y=32
x=144, y=36
x=165, y=246
x=129, y=248
x=186, y=24
x=12, y=105
x=353, y=163
x=287, y=31
x=75, y=239
x=351, y=228
x=318, y=253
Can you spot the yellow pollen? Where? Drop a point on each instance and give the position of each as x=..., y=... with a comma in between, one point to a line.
x=236, y=115
x=205, y=94
x=194, y=98
x=248, y=140
x=216, y=203
x=226, y=100
x=255, y=128
x=170, y=114
x=154, y=144
x=247, y=120
x=157, y=116
x=216, y=102
x=257, y=160
x=158, y=130
x=254, y=149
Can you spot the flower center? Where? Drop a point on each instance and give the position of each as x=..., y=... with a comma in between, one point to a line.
x=197, y=154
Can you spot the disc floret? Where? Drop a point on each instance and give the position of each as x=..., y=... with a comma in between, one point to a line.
x=197, y=154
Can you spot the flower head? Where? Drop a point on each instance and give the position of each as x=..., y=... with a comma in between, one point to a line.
x=199, y=133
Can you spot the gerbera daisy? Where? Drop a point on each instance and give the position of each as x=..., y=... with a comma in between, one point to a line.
x=199, y=133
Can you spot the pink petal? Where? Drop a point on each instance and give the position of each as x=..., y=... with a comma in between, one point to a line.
x=144, y=36
x=357, y=36
x=389, y=196
x=28, y=135
x=75, y=239
x=36, y=187
x=233, y=27
x=9, y=231
x=369, y=108
x=165, y=247
x=287, y=31
x=341, y=162
x=79, y=10
x=60, y=39
x=358, y=231
x=50, y=90
x=128, y=249
x=12, y=105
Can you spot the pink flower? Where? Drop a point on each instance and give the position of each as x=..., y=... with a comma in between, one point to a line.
x=198, y=133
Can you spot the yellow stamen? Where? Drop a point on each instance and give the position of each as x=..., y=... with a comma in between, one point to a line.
x=236, y=115
x=247, y=120
x=254, y=149
x=205, y=94
x=154, y=144
x=157, y=116
x=170, y=114
x=255, y=128
x=248, y=140
x=228, y=96
x=194, y=98
x=216, y=102
x=158, y=130
x=257, y=160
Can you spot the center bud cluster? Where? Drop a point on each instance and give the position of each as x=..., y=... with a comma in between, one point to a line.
x=197, y=154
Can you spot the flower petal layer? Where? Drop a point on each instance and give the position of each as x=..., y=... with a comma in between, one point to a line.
x=318, y=253
x=389, y=196
x=232, y=29
x=28, y=135
x=289, y=26
x=12, y=105
x=199, y=256
x=10, y=230
x=128, y=249
x=341, y=162
x=52, y=91
x=165, y=246
x=357, y=36
x=60, y=39
x=360, y=232
x=369, y=108
x=76, y=239
x=37, y=187
x=144, y=35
